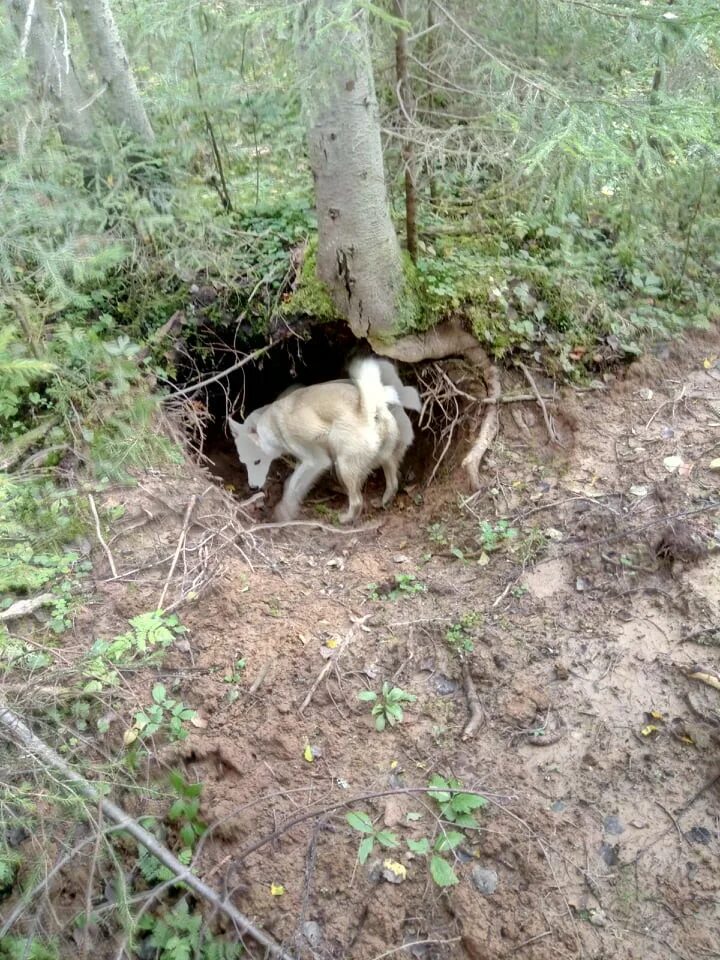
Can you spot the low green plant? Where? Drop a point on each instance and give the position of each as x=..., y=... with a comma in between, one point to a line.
x=402, y=585
x=181, y=934
x=455, y=805
x=149, y=636
x=459, y=635
x=27, y=948
x=492, y=536
x=361, y=822
x=387, y=706
x=236, y=672
x=163, y=714
x=184, y=813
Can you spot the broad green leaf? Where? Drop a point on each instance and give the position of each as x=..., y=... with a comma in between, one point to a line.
x=419, y=846
x=359, y=820
x=442, y=873
x=387, y=838
x=159, y=693
x=449, y=840
x=365, y=849
x=380, y=722
x=367, y=696
x=465, y=802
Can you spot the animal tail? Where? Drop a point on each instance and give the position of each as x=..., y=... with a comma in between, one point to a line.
x=375, y=396
x=409, y=397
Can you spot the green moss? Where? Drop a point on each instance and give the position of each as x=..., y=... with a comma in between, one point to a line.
x=311, y=297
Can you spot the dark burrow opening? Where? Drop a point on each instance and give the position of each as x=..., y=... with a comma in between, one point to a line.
x=321, y=354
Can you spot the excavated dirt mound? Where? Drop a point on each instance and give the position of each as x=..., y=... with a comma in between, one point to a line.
x=597, y=754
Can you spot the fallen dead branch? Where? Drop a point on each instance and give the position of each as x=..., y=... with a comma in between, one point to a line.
x=474, y=705
x=21, y=608
x=100, y=537
x=194, y=387
x=332, y=660
x=552, y=433
x=181, y=542
x=20, y=734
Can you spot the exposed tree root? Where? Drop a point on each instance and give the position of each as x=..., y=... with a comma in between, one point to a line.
x=474, y=704
x=448, y=340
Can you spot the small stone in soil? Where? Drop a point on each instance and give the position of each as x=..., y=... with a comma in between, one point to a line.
x=444, y=686
x=312, y=933
x=485, y=881
x=612, y=824
x=699, y=835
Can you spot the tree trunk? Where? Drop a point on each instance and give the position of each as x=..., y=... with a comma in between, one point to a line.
x=407, y=108
x=107, y=53
x=359, y=257
x=53, y=69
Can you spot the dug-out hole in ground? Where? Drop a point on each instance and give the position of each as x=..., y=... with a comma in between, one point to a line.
x=321, y=354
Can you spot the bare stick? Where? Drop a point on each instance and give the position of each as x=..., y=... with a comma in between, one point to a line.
x=22, y=607
x=473, y=699
x=181, y=541
x=223, y=373
x=16, y=731
x=331, y=661
x=100, y=537
x=546, y=416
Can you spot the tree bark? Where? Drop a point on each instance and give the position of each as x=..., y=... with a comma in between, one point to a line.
x=407, y=108
x=53, y=70
x=359, y=257
x=107, y=54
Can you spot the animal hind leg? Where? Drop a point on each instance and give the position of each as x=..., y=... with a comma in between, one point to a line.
x=390, y=469
x=352, y=476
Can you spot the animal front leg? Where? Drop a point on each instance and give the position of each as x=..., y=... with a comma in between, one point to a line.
x=298, y=484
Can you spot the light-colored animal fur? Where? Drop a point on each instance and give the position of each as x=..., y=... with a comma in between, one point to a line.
x=354, y=425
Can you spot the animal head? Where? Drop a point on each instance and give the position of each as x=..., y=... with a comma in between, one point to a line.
x=256, y=461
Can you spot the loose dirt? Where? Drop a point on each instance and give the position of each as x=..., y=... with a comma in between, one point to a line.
x=598, y=756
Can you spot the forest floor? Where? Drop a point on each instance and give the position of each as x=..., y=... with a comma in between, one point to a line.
x=576, y=621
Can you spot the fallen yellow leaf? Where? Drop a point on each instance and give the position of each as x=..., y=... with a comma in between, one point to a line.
x=709, y=362
x=277, y=889
x=649, y=729
x=393, y=764
x=394, y=867
x=332, y=643
x=130, y=736
x=308, y=754
x=656, y=715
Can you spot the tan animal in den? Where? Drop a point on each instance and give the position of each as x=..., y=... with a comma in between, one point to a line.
x=353, y=425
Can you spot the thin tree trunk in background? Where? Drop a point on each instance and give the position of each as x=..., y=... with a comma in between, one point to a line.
x=45, y=44
x=359, y=257
x=407, y=109
x=431, y=26
x=107, y=54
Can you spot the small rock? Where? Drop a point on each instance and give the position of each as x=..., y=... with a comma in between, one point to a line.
x=715, y=464
x=639, y=491
x=312, y=933
x=613, y=825
x=646, y=393
x=401, y=558
x=673, y=463
x=561, y=670
x=558, y=806
x=698, y=835
x=183, y=646
x=444, y=686
x=582, y=584
x=610, y=853
x=485, y=880
x=394, y=872
x=597, y=917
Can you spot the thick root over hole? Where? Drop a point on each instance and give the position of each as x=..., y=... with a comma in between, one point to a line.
x=451, y=340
